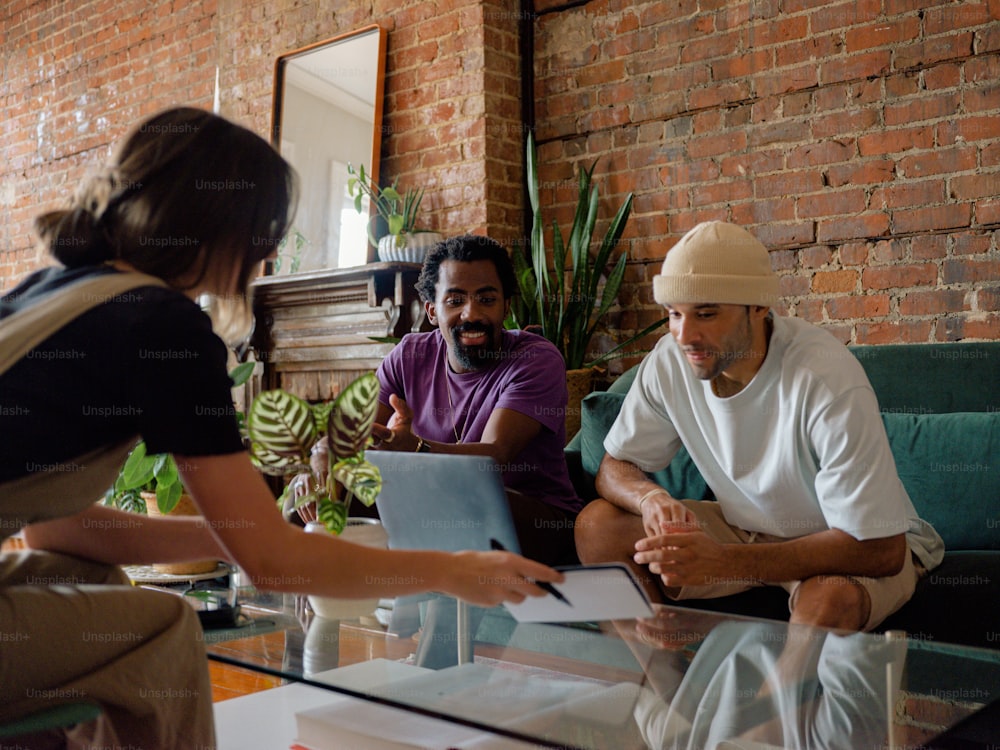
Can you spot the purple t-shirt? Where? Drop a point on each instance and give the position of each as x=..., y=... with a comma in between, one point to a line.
x=449, y=407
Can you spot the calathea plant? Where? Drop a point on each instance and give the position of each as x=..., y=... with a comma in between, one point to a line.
x=283, y=430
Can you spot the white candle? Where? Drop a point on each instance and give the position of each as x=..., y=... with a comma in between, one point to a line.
x=215, y=99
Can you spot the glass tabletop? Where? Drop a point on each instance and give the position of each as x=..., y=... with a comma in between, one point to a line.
x=435, y=671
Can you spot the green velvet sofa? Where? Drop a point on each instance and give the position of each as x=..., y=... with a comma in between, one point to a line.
x=941, y=407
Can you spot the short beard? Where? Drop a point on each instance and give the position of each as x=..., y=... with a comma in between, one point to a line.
x=474, y=357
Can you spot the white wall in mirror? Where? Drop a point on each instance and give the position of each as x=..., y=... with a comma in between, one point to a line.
x=328, y=112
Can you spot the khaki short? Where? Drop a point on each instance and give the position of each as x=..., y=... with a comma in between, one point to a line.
x=885, y=594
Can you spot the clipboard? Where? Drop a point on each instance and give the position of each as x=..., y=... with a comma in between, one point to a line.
x=605, y=591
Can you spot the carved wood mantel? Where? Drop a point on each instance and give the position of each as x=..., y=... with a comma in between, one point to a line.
x=313, y=329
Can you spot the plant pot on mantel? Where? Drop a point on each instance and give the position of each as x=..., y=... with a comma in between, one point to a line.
x=185, y=507
x=411, y=247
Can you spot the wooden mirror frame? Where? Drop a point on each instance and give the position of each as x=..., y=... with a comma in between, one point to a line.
x=278, y=98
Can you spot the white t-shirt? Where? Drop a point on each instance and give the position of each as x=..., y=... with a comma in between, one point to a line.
x=799, y=450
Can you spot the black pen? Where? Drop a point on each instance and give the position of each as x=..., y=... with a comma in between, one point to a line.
x=543, y=585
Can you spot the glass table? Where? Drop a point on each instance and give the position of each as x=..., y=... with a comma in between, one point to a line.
x=683, y=679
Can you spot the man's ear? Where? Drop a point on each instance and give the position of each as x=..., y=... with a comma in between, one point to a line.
x=430, y=309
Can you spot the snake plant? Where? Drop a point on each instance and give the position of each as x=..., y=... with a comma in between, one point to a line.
x=283, y=429
x=566, y=300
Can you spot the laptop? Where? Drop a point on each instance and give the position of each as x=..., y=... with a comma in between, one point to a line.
x=444, y=502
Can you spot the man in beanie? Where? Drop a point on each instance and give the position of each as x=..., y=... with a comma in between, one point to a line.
x=782, y=423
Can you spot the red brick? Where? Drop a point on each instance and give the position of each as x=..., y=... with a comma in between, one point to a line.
x=833, y=124
x=850, y=67
x=815, y=257
x=929, y=246
x=932, y=218
x=886, y=34
x=911, y=193
x=853, y=253
x=826, y=152
x=918, y=110
x=971, y=244
x=784, y=235
x=896, y=141
x=962, y=271
x=844, y=14
x=937, y=302
x=988, y=298
x=945, y=76
x=826, y=282
x=777, y=31
x=866, y=173
x=938, y=161
x=928, y=51
x=968, y=129
x=964, y=187
x=955, y=16
x=842, y=228
x=901, y=276
x=988, y=212
x=788, y=184
x=714, y=145
x=831, y=203
x=894, y=332
x=858, y=306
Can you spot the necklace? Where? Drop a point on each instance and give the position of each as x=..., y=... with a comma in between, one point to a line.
x=454, y=417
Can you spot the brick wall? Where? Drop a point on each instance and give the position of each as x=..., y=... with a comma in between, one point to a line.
x=76, y=75
x=860, y=141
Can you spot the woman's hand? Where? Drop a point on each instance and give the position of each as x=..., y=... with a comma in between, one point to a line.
x=487, y=579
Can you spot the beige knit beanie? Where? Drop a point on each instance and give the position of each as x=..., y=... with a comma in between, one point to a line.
x=717, y=263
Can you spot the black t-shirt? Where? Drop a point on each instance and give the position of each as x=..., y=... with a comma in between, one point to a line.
x=145, y=362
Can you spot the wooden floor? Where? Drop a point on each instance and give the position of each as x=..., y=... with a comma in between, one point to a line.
x=357, y=644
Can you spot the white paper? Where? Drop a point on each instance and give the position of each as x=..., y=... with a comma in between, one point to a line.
x=594, y=592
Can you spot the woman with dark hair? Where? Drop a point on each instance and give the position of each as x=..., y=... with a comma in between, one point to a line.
x=110, y=347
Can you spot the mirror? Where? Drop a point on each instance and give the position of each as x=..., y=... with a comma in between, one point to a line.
x=327, y=113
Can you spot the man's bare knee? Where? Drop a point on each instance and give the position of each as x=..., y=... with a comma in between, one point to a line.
x=832, y=602
x=604, y=532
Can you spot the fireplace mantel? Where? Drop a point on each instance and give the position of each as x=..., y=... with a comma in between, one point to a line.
x=314, y=330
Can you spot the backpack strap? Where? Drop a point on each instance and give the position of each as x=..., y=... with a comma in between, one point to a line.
x=27, y=328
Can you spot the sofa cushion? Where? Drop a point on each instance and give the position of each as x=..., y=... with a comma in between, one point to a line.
x=948, y=465
x=599, y=410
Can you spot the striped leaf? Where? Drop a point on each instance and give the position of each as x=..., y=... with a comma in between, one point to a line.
x=282, y=424
x=352, y=417
x=273, y=464
x=332, y=514
x=360, y=478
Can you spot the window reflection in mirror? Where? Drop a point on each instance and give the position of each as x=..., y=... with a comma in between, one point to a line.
x=327, y=114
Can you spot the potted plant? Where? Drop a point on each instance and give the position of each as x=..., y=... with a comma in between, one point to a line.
x=150, y=483
x=284, y=429
x=404, y=240
x=567, y=301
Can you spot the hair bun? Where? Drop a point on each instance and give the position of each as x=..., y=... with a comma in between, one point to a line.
x=74, y=237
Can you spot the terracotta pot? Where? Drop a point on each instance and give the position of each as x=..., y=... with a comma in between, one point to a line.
x=185, y=507
x=579, y=383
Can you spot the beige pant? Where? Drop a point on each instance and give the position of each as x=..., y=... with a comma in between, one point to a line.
x=70, y=631
x=885, y=594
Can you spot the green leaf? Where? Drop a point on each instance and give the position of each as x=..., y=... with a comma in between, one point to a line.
x=241, y=373
x=332, y=514
x=352, y=417
x=138, y=469
x=360, y=478
x=282, y=423
x=167, y=496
